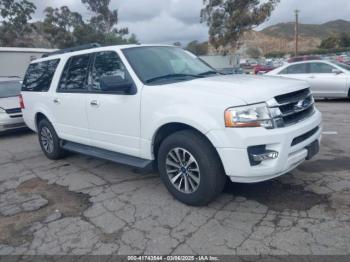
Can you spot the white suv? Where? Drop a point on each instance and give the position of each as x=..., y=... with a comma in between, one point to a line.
x=142, y=105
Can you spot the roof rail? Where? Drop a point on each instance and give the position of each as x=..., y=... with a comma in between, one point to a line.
x=72, y=49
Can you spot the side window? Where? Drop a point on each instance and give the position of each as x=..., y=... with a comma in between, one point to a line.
x=39, y=76
x=107, y=64
x=75, y=73
x=321, y=68
x=284, y=71
x=295, y=69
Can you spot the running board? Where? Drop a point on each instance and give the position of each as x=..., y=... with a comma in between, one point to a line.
x=106, y=155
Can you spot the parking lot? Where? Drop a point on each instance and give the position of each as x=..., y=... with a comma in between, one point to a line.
x=82, y=205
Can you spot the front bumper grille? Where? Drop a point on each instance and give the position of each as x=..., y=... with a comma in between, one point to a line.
x=291, y=108
x=305, y=136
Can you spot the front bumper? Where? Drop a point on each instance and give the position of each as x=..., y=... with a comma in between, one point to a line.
x=7, y=123
x=232, y=145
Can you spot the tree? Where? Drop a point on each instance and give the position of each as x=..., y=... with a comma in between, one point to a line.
x=254, y=52
x=229, y=19
x=329, y=43
x=60, y=24
x=104, y=19
x=66, y=28
x=14, y=17
x=197, y=48
x=104, y=22
x=344, y=40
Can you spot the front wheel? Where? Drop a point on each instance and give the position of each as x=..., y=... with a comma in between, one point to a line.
x=190, y=168
x=49, y=141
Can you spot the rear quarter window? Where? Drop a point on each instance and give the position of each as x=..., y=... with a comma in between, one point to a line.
x=39, y=76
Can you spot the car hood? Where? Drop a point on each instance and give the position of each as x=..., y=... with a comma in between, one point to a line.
x=9, y=102
x=250, y=89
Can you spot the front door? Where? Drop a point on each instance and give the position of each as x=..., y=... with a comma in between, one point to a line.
x=114, y=117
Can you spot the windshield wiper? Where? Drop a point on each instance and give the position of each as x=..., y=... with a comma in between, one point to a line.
x=211, y=72
x=169, y=76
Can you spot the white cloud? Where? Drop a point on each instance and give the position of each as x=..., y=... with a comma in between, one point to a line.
x=167, y=21
x=167, y=29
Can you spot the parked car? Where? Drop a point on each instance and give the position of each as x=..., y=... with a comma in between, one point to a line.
x=230, y=71
x=327, y=79
x=10, y=111
x=160, y=106
x=263, y=69
x=303, y=58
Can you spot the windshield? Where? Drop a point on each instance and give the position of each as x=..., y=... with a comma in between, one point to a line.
x=10, y=88
x=344, y=66
x=166, y=64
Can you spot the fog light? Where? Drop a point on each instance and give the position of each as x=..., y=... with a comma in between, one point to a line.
x=258, y=154
x=269, y=154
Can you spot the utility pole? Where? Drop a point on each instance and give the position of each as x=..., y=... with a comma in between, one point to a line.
x=296, y=31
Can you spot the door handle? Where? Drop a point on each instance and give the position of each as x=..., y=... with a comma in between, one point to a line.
x=312, y=77
x=56, y=100
x=94, y=103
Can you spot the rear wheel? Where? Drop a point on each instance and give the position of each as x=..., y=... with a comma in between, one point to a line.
x=49, y=141
x=190, y=168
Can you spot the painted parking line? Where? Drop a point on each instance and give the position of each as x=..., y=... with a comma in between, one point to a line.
x=330, y=133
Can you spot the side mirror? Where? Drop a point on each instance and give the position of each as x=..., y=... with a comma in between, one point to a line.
x=116, y=84
x=337, y=71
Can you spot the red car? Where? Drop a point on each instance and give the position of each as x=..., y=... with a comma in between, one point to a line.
x=263, y=69
x=303, y=58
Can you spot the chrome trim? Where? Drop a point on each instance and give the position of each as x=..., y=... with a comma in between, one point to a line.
x=300, y=104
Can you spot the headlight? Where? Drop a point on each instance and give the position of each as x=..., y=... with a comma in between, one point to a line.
x=2, y=110
x=248, y=116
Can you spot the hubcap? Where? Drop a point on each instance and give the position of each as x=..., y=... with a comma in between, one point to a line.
x=183, y=170
x=47, y=139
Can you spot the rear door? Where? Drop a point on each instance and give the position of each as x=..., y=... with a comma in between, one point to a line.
x=325, y=83
x=68, y=102
x=114, y=117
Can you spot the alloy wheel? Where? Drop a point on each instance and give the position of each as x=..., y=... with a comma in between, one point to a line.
x=47, y=139
x=183, y=170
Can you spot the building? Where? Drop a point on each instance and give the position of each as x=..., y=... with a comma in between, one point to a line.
x=15, y=60
x=222, y=62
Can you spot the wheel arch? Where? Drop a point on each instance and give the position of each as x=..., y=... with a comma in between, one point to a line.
x=38, y=117
x=170, y=128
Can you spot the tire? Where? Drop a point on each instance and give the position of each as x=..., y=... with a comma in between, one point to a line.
x=49, y=141
x=201, y=168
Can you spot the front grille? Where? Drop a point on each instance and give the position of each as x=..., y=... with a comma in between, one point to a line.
x=13, y=111
x=291, y=108
x=295, y=96
x=305, y=136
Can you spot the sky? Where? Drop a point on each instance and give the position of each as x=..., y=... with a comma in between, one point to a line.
x=169, y=21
